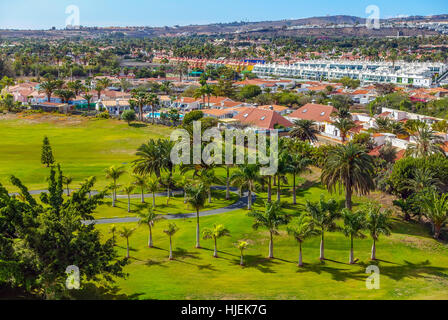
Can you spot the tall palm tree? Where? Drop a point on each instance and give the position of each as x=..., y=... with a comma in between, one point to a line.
x=246, y=177
x=65, y=95
x=208, y=178
x=196, y=196
x=297, y=165
x=271, y=218
x=304, y=130
x=149, y=218
x=348, y=166
x=153, y=186
x=242, y=245
x=426, y=142
x=171, y=231
x=301, y=228
x=113, y=230
x=153, y=100
x=354, y=223
x=127, y=233
x=114, y=173
x=217, y=232
x=67, y=180
x=435, y=207
x=344, y=125
x=324, y=214
x=48, y=87
x=378, y=223
x=153, y=157
x=141, y=182
x=140, y=99
x=128, y=191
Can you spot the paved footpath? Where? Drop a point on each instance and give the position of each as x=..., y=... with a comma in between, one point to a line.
x=240, y=204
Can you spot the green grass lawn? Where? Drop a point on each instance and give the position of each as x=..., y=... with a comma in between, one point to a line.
x=412, y=264
x=84, y=147
x=175, y=205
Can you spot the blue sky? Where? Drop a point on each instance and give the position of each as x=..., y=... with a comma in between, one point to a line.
x=43, y=14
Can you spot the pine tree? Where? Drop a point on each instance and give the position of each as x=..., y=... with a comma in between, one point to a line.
x=47, y=154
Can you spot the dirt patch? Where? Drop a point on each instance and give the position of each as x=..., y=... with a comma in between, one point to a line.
x=54, y=118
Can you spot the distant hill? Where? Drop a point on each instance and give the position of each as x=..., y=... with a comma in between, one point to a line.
x=314, y=26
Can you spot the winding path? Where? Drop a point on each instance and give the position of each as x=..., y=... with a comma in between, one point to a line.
x=240, y=204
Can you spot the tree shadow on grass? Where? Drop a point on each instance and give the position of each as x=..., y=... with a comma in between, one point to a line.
x=150, y=263
x=91, y=291
x=410, y=270
x=258, y=262
x=337, y=274
x=138, y=125
x=181, y=253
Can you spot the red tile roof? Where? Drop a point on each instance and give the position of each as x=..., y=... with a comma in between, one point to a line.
x=260, y=118
x=315, y=112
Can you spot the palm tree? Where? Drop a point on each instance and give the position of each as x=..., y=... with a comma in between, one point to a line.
x=48, y=87
x=378, y=223
x=127, y=233
x=242, y=245
x=128, y=191
x=65, y=95
x=435, y=207
x=153, y=100
x=141, y=182
x=171, y=231
x=153, y=186
x=149, y=218
x=344, y=125
x=271, y=218
x=67, y=181
x=208, y=178
x=114, y=173
x=154, y=157
x=324, y=213
x=217, y=232
x=348, y=166
x=112, y=230
x=297, y=165
x=140, y=99
x=301, y=228
x=196, y=195
x=426, y=142
x=354, y=223
x=304, y=130
x=88, y=97
x=246, y=177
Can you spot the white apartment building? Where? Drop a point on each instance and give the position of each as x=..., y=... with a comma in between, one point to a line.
x=416, y=74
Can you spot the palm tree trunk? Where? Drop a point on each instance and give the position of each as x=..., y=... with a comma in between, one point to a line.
x=171, y=250
x=150, y=237
x=113, y=199
x=348, y=197
x=68, y=191
x=153, y=199
x=373, y=256
x=437, y=231
x=300, y=255
x=127, y=243
x=271, y=246
x=143, y=195
x=352, y=259
x=278, y=188
x=197, y=230
x=168, y=192
x=249, y=200
x=270, y=189
x=322, y=247
x=209, y=195
x=227, y=183
x=215, y=253
x=294, y=200
x=129, y=203
x=241, y=259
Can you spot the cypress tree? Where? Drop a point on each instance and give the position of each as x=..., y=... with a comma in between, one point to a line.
x=47, y=154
